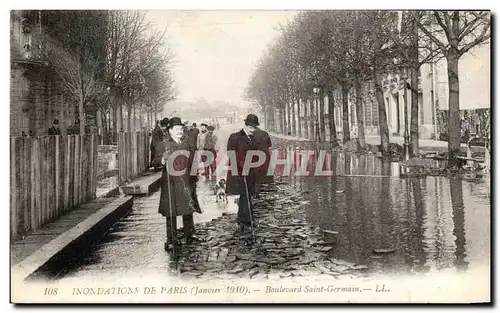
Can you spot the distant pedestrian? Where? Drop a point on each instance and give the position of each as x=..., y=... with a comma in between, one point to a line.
x=156, y=137
x=178, y=192
x=210, y=142
x=200, y=144
x=54, y=130
x=159, y=143
x=193, y=134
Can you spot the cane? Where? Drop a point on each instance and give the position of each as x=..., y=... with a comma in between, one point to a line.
x=172, y=230
x=249, y=207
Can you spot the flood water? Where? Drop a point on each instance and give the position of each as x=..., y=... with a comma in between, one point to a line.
x=424, y=224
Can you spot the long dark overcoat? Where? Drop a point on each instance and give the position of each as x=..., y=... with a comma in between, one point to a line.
x=241, y=144
x=180, y=189
x=264, y=144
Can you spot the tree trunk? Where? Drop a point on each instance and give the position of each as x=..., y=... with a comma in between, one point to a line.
x=346, y=136
x=129, y=117
x=306, y=124
x=453, y=109
x=359, y=113
x=414, y=149
x=312, y=118
x=81, y=113
x=382, y=114
x=331, y=117
x=121, y=119
x=299, y=128
x=283, y=120
x=264, y=111
x=134, y=127
x=289, y=118
x=293, y=123
x=104, y=128
x=322, y=125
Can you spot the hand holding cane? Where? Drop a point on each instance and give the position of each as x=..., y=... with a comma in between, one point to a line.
x=172, y=216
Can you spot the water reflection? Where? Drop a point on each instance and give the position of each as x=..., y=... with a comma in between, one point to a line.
x=425, y=220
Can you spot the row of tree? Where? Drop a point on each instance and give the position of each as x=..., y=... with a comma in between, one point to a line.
x=107, y=63
x=342, y=51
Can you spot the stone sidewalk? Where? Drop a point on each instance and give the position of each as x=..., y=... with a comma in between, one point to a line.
x=43, y=247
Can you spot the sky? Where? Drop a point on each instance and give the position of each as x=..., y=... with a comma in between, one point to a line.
x=215, y=51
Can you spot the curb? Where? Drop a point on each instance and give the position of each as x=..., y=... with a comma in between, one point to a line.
x=71, y=244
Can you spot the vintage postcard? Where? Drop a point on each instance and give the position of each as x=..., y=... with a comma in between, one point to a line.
x=328, y=156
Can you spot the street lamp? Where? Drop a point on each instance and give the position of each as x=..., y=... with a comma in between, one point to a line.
x=404, y=79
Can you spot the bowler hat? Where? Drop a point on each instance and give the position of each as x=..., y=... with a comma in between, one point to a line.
x=252, y=120
x=203, y=124
x=164, y=122
x=175, y=121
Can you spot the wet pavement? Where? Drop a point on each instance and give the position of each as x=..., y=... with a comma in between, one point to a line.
x=381, y=223
x=438, y=223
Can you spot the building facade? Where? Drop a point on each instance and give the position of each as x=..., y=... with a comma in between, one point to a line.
x=34, y=99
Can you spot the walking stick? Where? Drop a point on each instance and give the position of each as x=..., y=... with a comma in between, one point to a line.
x=172, y=217
x=249, y=208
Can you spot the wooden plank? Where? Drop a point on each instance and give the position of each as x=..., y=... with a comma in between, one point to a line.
x=50, y=178
x=93, y=176
x=45, y=179
x=82, y=169
x=76, y=183
x=66, y=175
x=119, y=159
x=62, y=159
x=13, y=190
x=33, y=184
x=85, y=169
x=71, y=173
x=27, y=180
x=57, y=173
x=41, y=181
x=38, y=190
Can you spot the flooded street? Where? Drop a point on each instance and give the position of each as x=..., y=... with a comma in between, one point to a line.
x=391, y=225
x=425, y=224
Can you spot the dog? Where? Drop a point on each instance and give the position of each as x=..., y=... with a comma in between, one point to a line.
x=220, y=191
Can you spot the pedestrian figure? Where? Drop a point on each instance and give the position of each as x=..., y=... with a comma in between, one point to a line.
x=200, y=144
x=210, y=142
x=241, y=142
x=160, y=142
x=178, y=192
x=156, y=137
x=54, y=130
x=193, y=134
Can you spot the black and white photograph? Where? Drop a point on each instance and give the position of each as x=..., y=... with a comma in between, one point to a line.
x=250, y=156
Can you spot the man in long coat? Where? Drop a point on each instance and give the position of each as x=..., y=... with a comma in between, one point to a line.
x=264, y=145
x=178, y=192
x=159, y=143
x=156, y=137
x=241, y=142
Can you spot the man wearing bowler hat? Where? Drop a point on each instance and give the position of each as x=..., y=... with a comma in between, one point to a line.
x=241, y=142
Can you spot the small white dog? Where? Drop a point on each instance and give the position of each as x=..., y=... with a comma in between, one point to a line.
x=220, y=191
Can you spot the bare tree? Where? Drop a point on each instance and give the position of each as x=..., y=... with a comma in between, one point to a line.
x=455, y=33
x=77, y=75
